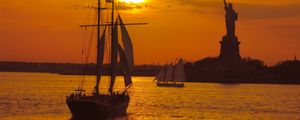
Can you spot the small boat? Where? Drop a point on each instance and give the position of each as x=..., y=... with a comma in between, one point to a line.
x=107, y=103
x=171, y=75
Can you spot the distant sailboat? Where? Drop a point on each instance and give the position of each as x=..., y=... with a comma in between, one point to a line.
x=102, y=105
x=171, y=75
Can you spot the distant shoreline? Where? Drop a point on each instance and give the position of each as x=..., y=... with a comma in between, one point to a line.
x=223, y=83
x=64, y=74
x=72, y=68
x=204, y=71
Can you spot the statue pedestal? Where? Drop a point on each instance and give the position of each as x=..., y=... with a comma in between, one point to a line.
x=230, y=50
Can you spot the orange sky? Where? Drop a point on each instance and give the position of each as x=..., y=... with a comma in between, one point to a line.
x=47, y=30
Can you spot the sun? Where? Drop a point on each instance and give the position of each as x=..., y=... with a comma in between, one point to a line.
x=132, y=1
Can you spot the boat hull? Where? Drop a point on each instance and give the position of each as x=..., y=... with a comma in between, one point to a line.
x=88, y=108
x=178, y=85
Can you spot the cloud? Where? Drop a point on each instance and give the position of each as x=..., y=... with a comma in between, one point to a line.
x=131, y=6
x=285, y=26
x=246, y=10
x=250, y=11
x=120, y=6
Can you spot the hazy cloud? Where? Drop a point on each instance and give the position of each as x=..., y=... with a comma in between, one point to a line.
x=121, y=6
x=131, y=6
x=285, y=26
x=246, y=10
x=267, y=11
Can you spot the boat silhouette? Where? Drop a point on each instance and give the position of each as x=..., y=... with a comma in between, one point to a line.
x=171, y=75
x=111, y=103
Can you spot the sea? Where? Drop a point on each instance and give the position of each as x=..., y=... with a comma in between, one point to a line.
x=41, y=96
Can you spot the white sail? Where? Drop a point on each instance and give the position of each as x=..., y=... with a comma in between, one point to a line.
x=169, y=73
x=161, y=76
x=127, y=44
x=179, y=73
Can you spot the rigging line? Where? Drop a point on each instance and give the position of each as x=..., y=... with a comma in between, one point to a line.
x=83, y=53
x=82, y=59
x=90, y=44
x=108, y=41
x=87, y=56
x=107, y=54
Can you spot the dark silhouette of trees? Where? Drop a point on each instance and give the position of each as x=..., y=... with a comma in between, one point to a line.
x=210, y=69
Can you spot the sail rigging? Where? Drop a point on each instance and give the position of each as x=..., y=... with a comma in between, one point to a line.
x=125, y=66
x=114, y=56
x=125, y=54
x=119, y=50
x=99, y=105
x=100, y=58
x=127, y=44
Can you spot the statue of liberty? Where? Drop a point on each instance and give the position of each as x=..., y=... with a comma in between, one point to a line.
x=230, y=50
x=230, y=17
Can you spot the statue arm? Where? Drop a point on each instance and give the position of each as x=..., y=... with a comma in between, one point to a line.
x=225, y=4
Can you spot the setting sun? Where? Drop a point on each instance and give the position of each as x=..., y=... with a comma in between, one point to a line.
x=132, y=1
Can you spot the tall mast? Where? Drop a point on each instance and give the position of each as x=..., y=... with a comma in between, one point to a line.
x=112, y=63
x=112, y=15
x=98, y=49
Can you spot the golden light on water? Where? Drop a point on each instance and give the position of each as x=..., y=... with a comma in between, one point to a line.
x=133, y=1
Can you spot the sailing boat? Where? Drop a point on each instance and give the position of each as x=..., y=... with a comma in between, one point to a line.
x=171, y=74
x=99, y=105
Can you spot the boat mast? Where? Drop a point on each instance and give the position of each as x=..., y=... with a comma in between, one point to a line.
x=112, y=63
x=98, y=48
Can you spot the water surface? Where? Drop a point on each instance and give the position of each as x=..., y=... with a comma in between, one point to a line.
x=42, y=96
